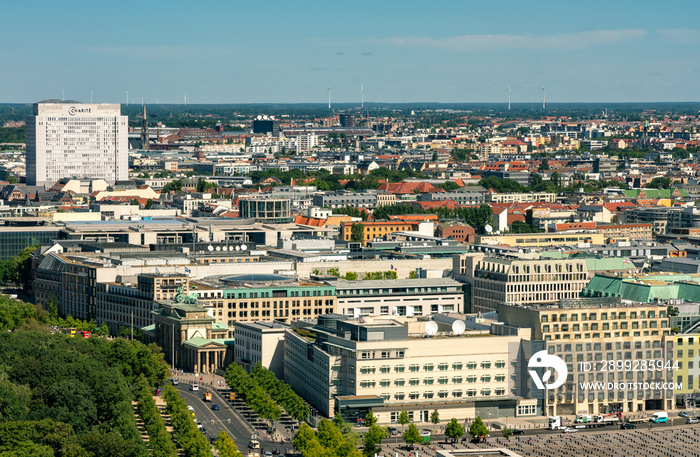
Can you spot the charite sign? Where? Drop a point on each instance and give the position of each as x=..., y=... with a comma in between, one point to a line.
x=73, y=110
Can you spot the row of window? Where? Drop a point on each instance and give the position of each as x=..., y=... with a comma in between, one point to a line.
x=487, y=392
x=430, y=381
x=603, y=316
x=414, y=367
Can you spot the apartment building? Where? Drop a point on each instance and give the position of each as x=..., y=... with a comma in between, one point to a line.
x=522, y=240
x=375, y=229
x=263, y=298
x=629, y=232
x=687, y=354
x=391, y=364
x=494, y=197
x=399, y=297
x=519, y=281
x=601, y=341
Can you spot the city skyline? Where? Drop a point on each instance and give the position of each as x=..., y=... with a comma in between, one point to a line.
x=392, y=52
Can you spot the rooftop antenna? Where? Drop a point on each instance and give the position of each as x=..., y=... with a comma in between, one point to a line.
x=90, y=96
x=329, y=97
x=127, y=98
x=543, y=98
x=362, y=92
x=508, y=90
x=63, y=95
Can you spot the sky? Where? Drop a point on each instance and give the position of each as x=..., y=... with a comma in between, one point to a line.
x=460, y=51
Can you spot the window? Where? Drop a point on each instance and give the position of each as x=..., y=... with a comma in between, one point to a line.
x=471, y=365
x=471, y=379
x=399, y=396
x=486, y=378
x=386, y=354
x=414, y=367
x=367, y=370
x=500, y=391
x=457, y=393
x=384, y=369
x=428, y=367
x=442, y=380
x=442, y=367
x=442, y=394
x=500, y=363
x=414, y=395
x=485, y=392
x=485, y=364
x=413, y=382
x=428, y=394
x=500, y=378
x=457, y=380
x=399, y=382
x=428, y=381
x=526, y=410
x=399, y=368
x=457, y=366
x=471, y=393
x=384, y=383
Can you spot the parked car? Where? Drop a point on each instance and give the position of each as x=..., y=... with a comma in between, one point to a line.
x=425, y=432
x=691, y=420
x=215, y=407
x=570, y=430
x=194, y=387
x=683, y=414
x=518, y=432
x=190, y=409
x=393, y=431
x=627, y=425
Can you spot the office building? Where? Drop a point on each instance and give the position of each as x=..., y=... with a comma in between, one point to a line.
x=391, y=364
x=76, y=140
x=589, y=335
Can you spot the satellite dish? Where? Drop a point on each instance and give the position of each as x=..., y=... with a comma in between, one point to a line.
x=431, y=328
x=230, y=248
x=210, y=247
x=243, y=247
x=488, y=228
x=238, y=248
x=218, y=248
x=458, y=327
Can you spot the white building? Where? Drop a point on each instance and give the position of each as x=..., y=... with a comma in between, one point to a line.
x=76, y=140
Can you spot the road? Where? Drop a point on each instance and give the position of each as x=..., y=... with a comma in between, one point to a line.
x=226, y=419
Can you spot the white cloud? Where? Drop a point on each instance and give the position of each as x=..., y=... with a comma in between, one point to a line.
x=680, y=36
x=579, y=40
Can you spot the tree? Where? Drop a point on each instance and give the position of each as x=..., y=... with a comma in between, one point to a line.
x=149, y=204
x=351, y=276
x=478, y=429
x=507, y=432
x=454, y=430
x=412, y=435
x=659, y=182
x=403, y=418
x=357, y=233
x=544, y=165
x=412, y=275
x=435, y=417
x=372, y=440
x=370, y=419
x=226, y=446
x=672, y=310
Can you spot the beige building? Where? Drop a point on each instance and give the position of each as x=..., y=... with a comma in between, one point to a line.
x=531, y=197
x=592, y=337
x=389, y=365
x=522, y=240
x=516, y=281
x=260, y=342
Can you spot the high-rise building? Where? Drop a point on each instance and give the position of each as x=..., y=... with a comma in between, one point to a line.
x=76, y=140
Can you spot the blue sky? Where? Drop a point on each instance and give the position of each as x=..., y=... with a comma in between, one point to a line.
x=400, y=51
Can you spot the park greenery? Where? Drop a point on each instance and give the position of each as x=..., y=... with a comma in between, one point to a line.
x=18, y=270
x=225, y=446
x=62, y=395
x=478, y=430
x=254, y=395
x=352, y=212
x=327, y=441
x=280, y=392
x=188, y=437
x=412, y=436
x=160, y=442
x=477, y=217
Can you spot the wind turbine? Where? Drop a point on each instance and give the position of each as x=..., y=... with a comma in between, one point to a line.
x=63, y=95
x=127, y=98
x=508, y=90
x=362, y=92
x=329, y=97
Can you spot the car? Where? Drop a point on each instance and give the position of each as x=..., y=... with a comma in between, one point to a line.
x=683, y=414
x=203, y=430
x=215, y=407
x=691, y=420
x=570, y=430
x=518, y=432
x=199, y=425
x=627, y=425
x=190, y=409
x=425, y=432
x=194, y=387
x=393, y=431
